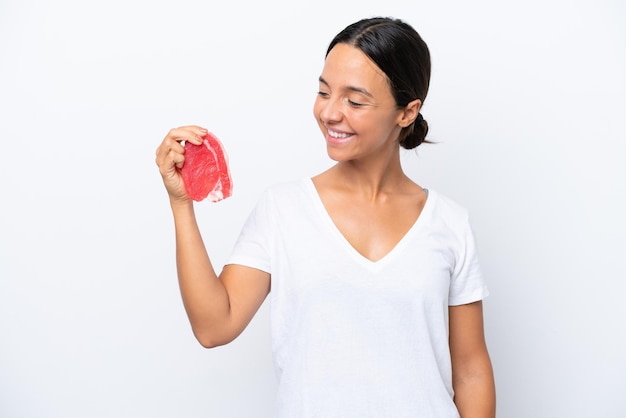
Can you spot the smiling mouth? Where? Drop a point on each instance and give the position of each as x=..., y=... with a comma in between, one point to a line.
x=338, y=135
x=338, y=138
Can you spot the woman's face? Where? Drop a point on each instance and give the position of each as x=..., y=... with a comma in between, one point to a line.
x=355, y=108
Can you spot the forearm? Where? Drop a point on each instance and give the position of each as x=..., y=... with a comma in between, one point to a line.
x=204, y=295
x=474, y=391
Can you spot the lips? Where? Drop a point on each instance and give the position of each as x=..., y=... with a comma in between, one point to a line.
x=336, y=137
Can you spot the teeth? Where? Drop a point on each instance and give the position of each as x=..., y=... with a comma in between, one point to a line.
x=337, y=134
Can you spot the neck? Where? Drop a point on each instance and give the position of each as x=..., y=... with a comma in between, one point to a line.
x=371, y=179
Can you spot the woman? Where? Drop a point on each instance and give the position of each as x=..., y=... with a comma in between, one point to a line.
x=376, y=287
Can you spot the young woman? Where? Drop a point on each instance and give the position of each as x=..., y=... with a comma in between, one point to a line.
x=375, y=283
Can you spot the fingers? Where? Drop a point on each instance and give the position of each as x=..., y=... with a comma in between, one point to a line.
x=190, y=133
x=170, y=151
x=169, y=154
x=170, y=157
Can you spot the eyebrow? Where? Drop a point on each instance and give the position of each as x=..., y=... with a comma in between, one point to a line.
x=351, y=88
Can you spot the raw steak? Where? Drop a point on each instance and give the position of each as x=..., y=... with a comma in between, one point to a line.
x=205, y=171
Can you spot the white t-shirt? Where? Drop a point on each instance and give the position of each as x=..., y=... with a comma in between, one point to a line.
x=352, y=337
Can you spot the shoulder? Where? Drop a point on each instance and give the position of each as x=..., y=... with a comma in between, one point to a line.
x=447, y=208
x=449, y=215
x=286, y=194
x=288, y=189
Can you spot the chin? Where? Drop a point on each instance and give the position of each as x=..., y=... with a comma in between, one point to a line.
x=338, y=155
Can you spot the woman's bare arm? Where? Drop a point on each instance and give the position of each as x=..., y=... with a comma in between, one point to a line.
x=472, y=374
x=218, y=307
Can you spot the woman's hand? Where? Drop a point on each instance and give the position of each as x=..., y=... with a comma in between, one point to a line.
x=170, y=158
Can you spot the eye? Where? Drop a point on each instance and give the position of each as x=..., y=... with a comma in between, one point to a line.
x=323, y=94
x=354, y=104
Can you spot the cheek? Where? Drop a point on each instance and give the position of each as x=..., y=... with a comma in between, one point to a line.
x=317, y=108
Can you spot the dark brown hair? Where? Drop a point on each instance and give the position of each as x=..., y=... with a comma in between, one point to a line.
x=399, y=51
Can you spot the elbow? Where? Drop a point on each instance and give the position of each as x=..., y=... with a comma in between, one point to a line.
x=209, y=343
x=211, y=340
x=214, y=333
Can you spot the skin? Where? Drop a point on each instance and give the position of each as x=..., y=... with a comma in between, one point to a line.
x=366, y=193
x=370, y=199
x=373, y=203
x=219, y=307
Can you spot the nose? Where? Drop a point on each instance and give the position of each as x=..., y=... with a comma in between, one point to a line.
x=330, y=110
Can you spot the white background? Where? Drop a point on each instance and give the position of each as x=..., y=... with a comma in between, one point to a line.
x=527, y=107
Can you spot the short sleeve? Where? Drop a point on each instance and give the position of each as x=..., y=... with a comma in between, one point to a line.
x=467, y=284
x=252, y=248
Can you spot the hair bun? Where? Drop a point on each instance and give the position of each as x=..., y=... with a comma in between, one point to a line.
x=416, y=133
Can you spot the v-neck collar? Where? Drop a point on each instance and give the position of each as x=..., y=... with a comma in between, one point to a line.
x=343, y=241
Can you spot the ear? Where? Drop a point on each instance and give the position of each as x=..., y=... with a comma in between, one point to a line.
x=409, y=113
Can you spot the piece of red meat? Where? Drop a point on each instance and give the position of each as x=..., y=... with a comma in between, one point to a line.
x=205, y=170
